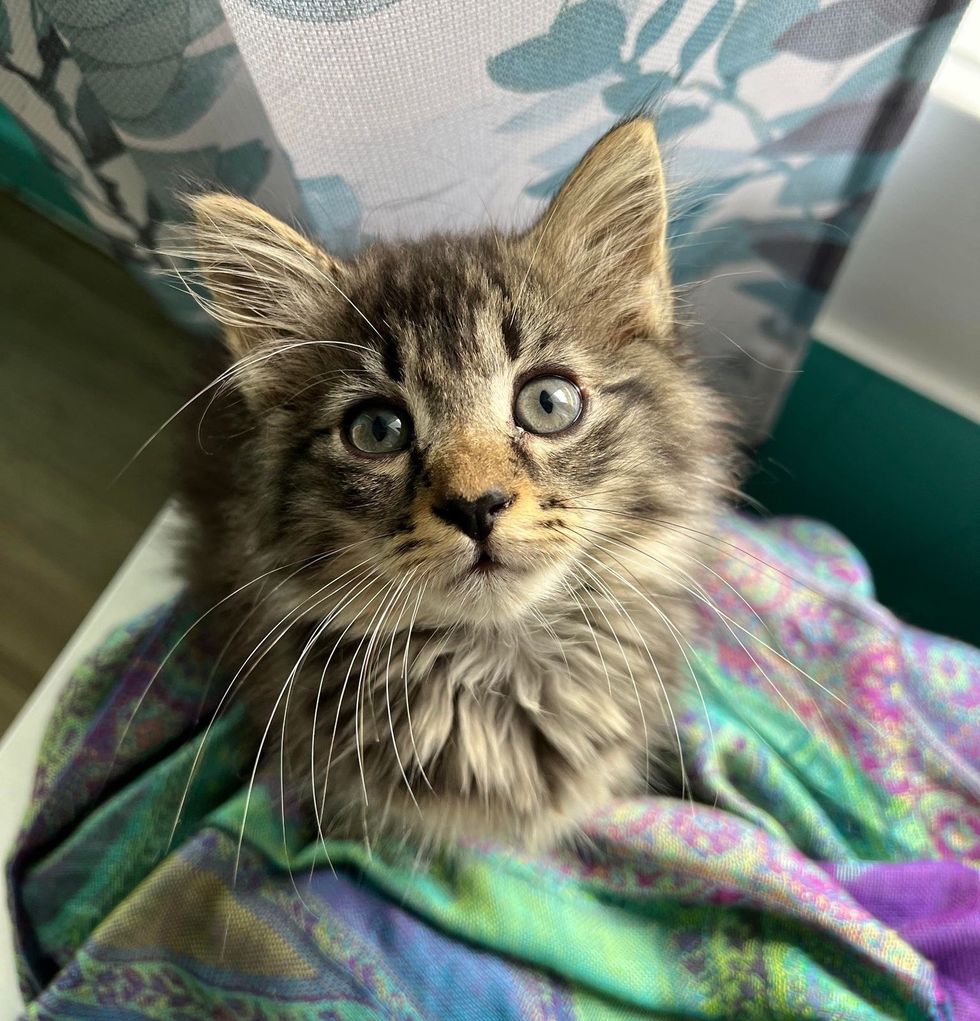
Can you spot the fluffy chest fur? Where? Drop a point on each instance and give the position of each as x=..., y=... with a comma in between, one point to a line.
x=511, y=732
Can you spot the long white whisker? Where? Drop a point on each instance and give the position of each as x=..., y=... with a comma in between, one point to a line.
x=626, y=663
x=245, y=363
x=340, y=700
x=323, y=673
x=391, y=725
x=374, y=629
x=675, y=634
x=660, y=681
x=705, y=539
x=703, y=597
x=595, y=639
x=304, y=563
x=408, y=711
x=727, y=621
x=265, y=734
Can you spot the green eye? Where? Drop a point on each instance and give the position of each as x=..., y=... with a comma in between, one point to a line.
x=548, y=404
x=378, y=429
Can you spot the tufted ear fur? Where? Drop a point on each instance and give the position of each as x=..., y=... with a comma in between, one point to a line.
x=266, y=280
x=604, y=233
x=268, y=284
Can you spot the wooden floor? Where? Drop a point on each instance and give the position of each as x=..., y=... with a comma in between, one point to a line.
x=89, y=368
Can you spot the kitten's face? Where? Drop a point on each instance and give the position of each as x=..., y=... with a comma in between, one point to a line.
x=473, y=435
x=466, y=419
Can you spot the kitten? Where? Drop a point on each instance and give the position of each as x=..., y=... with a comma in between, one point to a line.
x=456, y=486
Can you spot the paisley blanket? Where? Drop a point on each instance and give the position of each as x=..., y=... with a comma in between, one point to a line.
x=824, y=862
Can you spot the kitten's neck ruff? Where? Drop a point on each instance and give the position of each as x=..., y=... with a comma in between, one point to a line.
x=505, y=731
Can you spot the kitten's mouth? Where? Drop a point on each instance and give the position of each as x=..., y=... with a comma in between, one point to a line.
x=485, y=564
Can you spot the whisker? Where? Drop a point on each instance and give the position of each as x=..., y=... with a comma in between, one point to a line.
x=408, y=711
x=304, y=563
x=265, y=734
x=314, y=729
x=549, y=629
x=391, y=726
x=373, y=630
x=730, y=621
x=340, y=700
x=675, y=632
x=685, y=783
x=243, y=674
x=239, y=366
x=855, y=610
x=595, y=640
x=685, y=787
x=626, y=663
x=711, y=605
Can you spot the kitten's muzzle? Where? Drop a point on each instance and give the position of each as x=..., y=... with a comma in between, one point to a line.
x=474, y=518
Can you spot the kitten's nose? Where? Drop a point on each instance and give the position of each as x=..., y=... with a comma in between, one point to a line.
x=474, y=518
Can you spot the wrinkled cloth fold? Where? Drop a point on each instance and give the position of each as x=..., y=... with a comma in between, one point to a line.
x=824, y=861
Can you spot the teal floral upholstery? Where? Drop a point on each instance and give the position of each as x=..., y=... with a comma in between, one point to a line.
x=367, y=118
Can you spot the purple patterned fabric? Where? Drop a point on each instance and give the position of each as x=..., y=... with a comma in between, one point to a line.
x=935, y=907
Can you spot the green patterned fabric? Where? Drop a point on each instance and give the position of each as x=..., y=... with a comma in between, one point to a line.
x=827, y=867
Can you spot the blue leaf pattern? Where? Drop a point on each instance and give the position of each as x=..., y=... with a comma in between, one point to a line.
x=811, y=262
x=694, y=258
x=675, y=120
x=567, y=152
x=830, y=178
x=584, y=40
x=138, y=37
x=133, y=99
x=854, y=127
x=203, y=18
x=239, y=168
x=547, y=187
x=334, y=211
x=848, y=27
x=893, y=63
x=635, y=93
x=714, y=23
x=793, y=305
x=84, y=13
x=750, y=39
x=130, y=92
x=101, y=140
x=550, y=109
x=242, y=168
x=656, y=26
x=190, y=94
x=844, y=28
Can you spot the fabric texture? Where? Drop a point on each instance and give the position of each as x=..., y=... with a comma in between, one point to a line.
x=826, y=863
x=374, y=118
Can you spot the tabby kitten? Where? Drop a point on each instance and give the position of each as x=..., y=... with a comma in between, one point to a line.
x=450, y=493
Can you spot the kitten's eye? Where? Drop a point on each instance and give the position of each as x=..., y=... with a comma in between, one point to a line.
x=548, y=404
x=377, y=429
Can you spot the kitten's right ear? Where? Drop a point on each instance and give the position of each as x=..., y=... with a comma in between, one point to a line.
x=265, y=279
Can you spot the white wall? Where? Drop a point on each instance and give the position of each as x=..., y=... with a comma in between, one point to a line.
x=907, y=299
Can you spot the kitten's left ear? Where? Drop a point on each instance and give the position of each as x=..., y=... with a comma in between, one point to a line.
x=605, y=233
